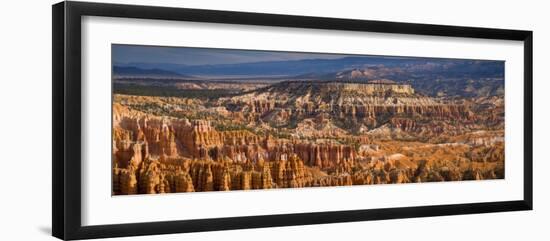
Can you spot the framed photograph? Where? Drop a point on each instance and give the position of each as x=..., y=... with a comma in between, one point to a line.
x=171, y=120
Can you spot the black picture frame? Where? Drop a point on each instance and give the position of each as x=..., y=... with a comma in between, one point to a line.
x=66, y=127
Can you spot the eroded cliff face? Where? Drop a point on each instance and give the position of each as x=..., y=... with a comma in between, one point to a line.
x=289, y=171
x=295, y=135
x=350, y=108
x=322, y=155
x=139, y=136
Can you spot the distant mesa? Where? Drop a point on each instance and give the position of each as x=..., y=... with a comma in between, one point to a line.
x=382, y=81
x=328, y=89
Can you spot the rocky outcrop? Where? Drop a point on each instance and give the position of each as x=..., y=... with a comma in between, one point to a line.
x=183, y=182
x=332, y=181
x=152, y=179
x=288, y=171
x=125, y=181
x=323, y=155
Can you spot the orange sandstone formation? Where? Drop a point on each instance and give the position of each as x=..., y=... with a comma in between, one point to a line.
x=303, y=134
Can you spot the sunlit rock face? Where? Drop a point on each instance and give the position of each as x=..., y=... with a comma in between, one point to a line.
x=299, y=134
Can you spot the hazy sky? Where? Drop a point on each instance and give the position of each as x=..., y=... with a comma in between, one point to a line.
x=201, y=56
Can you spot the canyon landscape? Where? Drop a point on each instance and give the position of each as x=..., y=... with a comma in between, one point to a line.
x=198, y=120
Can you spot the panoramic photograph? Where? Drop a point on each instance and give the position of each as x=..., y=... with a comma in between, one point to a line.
x=187, y=119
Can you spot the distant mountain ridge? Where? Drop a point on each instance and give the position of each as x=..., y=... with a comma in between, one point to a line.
x=325, y=66
x=129, y=71
x=289, y=67
x=430, y=76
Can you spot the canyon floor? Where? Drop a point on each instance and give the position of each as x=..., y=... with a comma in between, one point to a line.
x=302, y=134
